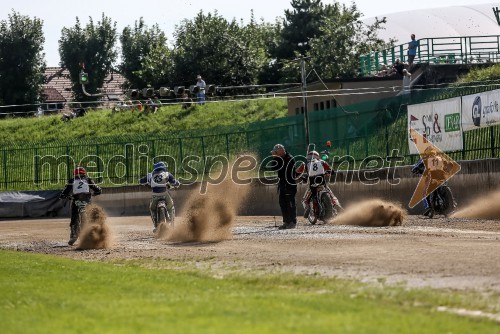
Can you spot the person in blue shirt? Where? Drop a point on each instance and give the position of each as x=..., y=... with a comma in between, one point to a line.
x=412, y=50
x=160, y=180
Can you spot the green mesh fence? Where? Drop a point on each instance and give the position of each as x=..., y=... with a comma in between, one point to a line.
x=374, y=128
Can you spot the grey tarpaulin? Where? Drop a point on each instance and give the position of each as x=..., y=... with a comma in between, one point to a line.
x=20, y=204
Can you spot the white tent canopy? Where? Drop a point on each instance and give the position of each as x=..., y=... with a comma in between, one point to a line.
x=454, y=21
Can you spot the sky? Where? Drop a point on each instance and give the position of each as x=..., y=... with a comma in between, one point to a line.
x=57, y=14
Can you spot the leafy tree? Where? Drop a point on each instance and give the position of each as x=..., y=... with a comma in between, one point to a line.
x=93, y=46
x=204, y=45
x=224, y=53
x=22, y=64
x=300, y=24
x=146, y=58
x=343, y=38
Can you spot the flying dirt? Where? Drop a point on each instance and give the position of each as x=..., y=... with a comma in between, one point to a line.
x=485, y=207
x=209, y=216
x=95, y=233
x=373, y=212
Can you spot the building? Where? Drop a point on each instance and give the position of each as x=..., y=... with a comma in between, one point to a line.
x=58, y=92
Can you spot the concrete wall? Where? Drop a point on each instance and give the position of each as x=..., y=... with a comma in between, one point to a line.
x=475, y=179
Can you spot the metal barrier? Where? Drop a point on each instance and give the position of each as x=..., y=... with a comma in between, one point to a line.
x=374, y=128
x=440, y=50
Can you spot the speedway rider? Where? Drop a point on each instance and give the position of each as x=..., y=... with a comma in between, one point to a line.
x=160, y=181
x=432, y=161
x=80, y=189
x=315, y=170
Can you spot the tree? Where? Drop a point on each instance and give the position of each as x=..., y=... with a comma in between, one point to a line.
x=299, y=25
x=22, y=64
x=343, y=38
x=93, y=47
x=224, y=53
x=146, y=58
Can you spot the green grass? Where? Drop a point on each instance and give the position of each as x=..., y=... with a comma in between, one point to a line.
x=169, y=119
x=47, y=294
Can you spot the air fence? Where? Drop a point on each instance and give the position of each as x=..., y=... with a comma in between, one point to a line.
x=376, y=129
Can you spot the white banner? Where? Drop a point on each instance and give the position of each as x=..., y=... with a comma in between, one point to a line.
x=481, y=110
x=438, y=122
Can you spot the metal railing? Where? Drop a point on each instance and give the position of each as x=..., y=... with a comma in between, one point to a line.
x=439, y=50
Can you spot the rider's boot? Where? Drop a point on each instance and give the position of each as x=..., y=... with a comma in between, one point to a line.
x=73, y=235
x=171, y=214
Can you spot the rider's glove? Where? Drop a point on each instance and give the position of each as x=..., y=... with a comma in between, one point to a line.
x=63, y=196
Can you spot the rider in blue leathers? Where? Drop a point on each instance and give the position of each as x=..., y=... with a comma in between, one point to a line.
x=160, y=181
x=419, y=169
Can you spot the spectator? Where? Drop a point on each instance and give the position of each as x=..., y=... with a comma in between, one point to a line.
x=149, y=106
x=284, y=164
x=406, y=81
x=412, y=50
x=201, y=93
x=156, y=103
x=398, y=67
x=383, y=71
x=138, y=105
x=39, y=111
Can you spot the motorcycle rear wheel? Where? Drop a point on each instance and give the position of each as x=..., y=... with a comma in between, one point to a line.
x=328, y=210
x=448, y=202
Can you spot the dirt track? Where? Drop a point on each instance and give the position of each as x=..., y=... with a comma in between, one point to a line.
x=444, y=253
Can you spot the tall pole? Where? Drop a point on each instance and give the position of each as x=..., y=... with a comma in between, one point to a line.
x=304, y=99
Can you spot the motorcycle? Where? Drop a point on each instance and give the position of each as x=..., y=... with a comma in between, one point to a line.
x=321, y=206
x=163, y=216
x=441, y=201
x=82, y=216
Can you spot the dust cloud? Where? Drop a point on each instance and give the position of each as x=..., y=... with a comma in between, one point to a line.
x=373, y=212
x=95, y=232
x=210, y=216
x=485, y=207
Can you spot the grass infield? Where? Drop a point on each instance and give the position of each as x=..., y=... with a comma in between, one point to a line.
x=47, y=294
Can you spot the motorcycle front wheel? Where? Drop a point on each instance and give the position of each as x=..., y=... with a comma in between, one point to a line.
x=312, y=217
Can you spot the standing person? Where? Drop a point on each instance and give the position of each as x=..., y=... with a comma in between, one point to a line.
x=287, y=186
x=80, y=188
x=406, y=81
x=160, y=181
x=412, y=50
x=201, y=94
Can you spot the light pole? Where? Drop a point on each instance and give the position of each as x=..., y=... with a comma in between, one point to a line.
x=304, y=99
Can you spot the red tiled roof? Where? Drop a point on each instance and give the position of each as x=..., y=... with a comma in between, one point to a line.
x=58, y=80
x=52, y=95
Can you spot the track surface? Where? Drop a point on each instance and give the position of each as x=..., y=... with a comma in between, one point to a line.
x=440, y=253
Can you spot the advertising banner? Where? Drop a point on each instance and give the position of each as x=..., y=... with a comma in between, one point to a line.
x=438, y=122
x=481, y=110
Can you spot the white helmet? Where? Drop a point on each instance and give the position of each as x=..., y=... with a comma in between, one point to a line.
x=312, y=155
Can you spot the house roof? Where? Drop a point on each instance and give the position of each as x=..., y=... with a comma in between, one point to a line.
x=58, y=79
x=52, y=95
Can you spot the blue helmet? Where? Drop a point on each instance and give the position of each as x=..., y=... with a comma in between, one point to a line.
x=160, y=166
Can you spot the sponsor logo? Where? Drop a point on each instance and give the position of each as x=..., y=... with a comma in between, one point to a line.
x=476, y=111
x=452, y=122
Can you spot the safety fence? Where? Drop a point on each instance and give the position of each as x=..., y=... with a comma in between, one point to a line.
x=375, y=129
x=441, y=50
